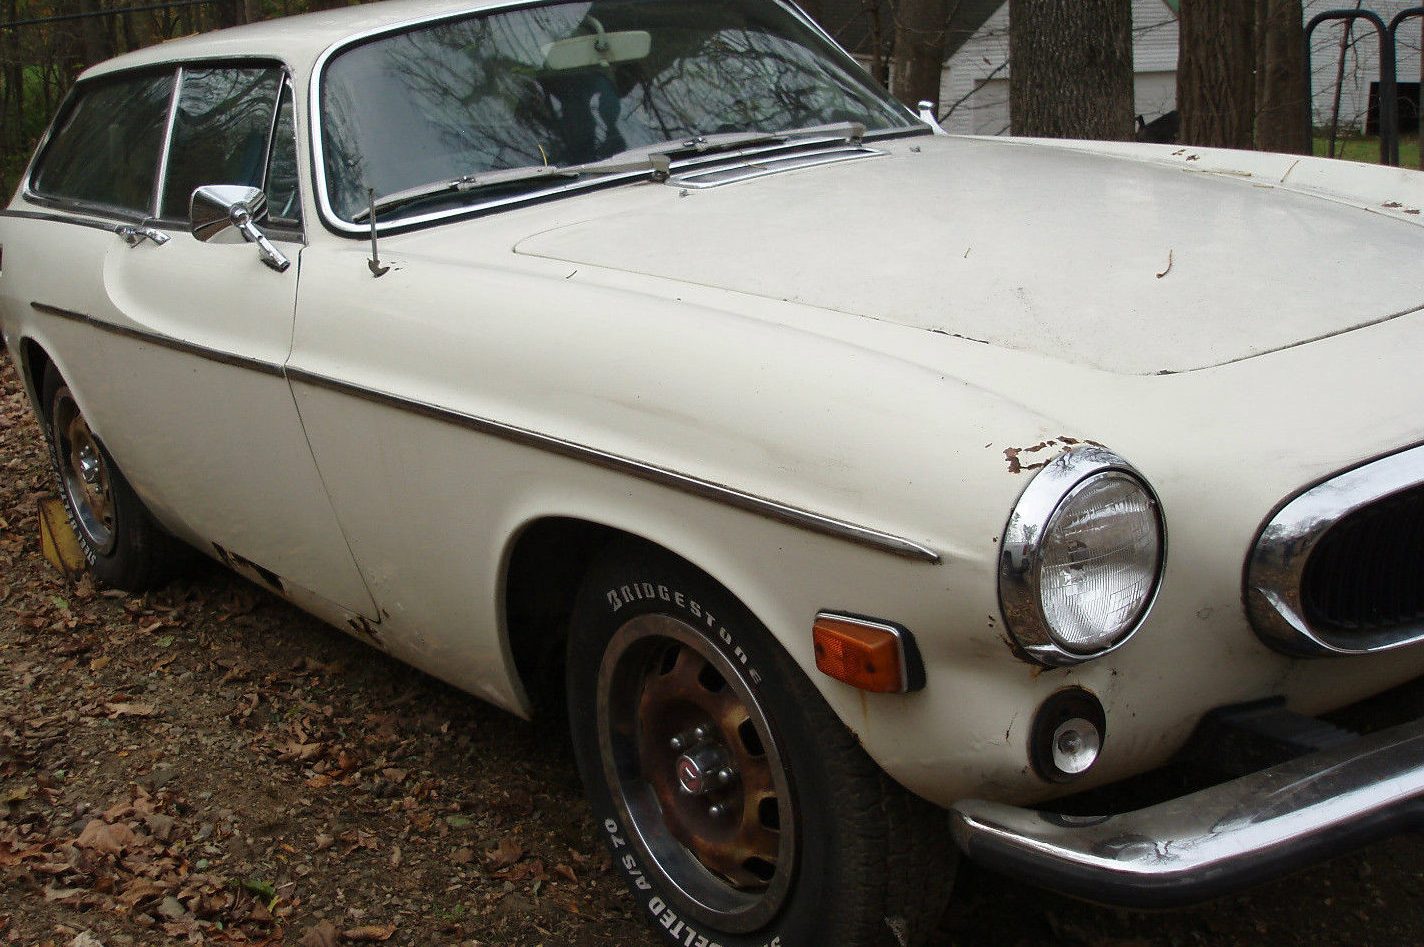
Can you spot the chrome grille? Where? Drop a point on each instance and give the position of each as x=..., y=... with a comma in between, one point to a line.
x=1367, y=572
x=1340, y=568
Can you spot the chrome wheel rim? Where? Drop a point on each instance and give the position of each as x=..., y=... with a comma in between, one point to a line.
x=84, y=474
x=696, y=773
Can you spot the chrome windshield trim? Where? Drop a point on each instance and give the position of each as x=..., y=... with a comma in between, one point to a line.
x=707, y=489
x=1279, y=556
x=337, y=225
x=1023, y=538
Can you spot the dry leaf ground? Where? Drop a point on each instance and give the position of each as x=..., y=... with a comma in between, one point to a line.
x=205, y=764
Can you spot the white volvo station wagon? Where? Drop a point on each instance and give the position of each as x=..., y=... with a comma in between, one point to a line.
x=860, y=490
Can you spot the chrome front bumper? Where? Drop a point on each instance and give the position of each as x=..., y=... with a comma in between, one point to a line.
x=1214, y=841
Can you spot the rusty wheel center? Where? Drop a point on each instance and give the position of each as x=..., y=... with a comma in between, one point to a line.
x=708, y=767
x=695, y=767
x=89, y=470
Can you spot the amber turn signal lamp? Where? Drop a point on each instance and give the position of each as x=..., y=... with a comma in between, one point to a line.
x=871, y=655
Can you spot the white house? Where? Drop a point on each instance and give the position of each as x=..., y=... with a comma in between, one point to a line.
x=975, y=88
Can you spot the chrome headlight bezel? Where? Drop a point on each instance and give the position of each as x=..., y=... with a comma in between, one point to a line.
x=1019, y=559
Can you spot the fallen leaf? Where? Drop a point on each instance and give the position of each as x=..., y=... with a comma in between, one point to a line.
x=321, y=934
x=64, y=895
x=102, y=837
x=130, y=710
x=171, y=907
x=140, y=889
x=525, y=871
x=506, y=853
x=160, y=825
x=370, y=933
x=301, y=751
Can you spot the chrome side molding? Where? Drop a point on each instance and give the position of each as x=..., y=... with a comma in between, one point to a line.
x=686, y=483
x=676, y=480
x=1276, y=568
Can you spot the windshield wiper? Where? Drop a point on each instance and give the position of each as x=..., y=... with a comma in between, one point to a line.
x=654, y=159
x=686, y=146
x=654, y=163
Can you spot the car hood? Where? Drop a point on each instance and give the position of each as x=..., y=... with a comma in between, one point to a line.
x=1130, y=259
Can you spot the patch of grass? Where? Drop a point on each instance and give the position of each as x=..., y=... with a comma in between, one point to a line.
x=1366, y=149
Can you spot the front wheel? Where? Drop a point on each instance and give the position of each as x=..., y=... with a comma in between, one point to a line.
x=738, y=808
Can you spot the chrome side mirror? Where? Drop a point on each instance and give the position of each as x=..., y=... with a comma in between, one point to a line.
x=216, y=207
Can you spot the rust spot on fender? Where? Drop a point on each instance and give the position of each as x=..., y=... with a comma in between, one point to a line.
x=1011, y=454
x=362, y=625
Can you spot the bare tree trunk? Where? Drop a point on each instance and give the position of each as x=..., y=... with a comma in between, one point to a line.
x=1216, y=87
x=879, y=65
x=921, y=29
x=1280, y=77
x=1070, y=68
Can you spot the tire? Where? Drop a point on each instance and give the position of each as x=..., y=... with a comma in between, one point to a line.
x=813, y=845
x=125, y=547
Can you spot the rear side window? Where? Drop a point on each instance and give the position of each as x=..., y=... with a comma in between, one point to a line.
x=105, y=150
x=221, y=132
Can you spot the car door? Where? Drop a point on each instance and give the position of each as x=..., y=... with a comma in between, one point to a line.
x=198, y=411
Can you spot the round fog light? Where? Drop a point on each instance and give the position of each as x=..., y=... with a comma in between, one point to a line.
x=1068, y=734
x=1075, y=746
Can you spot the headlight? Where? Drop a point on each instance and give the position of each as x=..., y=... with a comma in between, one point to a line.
x=1082, y=557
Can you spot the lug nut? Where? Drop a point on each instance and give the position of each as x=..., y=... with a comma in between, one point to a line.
x=717, y=810
x=699, y=734
x=677, y=742
x=726, y=774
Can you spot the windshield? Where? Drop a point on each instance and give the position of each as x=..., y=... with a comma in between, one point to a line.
x=571, y=83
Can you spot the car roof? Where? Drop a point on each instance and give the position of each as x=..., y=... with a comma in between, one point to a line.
x=296, y=40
